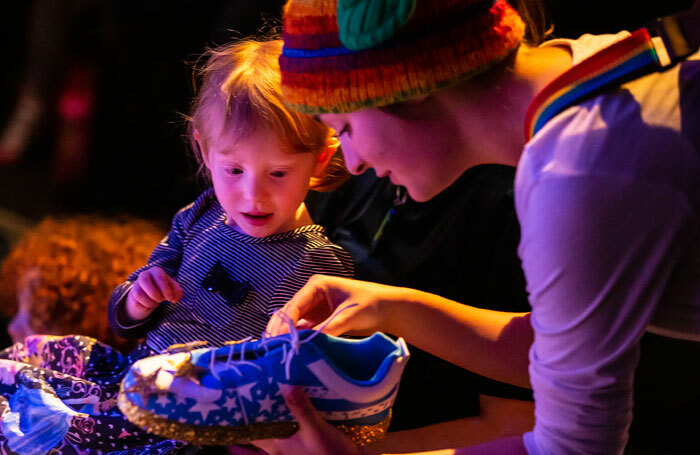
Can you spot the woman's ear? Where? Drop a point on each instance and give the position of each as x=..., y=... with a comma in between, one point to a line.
x=322, y=160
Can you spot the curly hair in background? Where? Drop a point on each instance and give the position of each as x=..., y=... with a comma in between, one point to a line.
x=66, y=270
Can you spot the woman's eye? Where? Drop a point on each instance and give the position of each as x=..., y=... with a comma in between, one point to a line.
x=236, y=171
x=404, y=108
x=278, y=174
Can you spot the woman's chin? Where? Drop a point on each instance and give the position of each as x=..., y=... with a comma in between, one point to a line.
x=419, y=195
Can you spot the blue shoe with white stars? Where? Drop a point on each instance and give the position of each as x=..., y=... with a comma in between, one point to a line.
x=233, y=394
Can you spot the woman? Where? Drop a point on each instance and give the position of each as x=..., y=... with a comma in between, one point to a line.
x=606, y=193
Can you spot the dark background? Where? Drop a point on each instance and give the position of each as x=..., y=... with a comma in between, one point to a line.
x=141, y=52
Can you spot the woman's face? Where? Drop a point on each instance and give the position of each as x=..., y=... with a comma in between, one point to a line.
x=416, y=144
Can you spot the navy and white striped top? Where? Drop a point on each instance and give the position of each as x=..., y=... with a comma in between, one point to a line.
x=231, y=282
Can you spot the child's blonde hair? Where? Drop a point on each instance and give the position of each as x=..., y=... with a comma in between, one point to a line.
x=241, y=93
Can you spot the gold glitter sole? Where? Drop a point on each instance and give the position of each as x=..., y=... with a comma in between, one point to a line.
x=226, y=435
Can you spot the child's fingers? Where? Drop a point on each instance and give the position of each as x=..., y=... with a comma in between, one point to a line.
x=142, y=298
x=176, y=289
x=169, y=288
x=150, y=286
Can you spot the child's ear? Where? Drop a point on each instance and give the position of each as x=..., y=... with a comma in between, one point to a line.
x=322, y=160
x=202, y=153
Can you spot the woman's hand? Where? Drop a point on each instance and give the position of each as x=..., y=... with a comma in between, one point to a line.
x=491, y=343
x=350, y=306
x=315, y=435
x=151, y=287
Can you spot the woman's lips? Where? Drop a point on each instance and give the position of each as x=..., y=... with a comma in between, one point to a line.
x=381, y=174
x=386, y=174
x=257, y=218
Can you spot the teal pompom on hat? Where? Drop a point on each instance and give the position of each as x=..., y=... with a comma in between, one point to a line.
x=364, y=24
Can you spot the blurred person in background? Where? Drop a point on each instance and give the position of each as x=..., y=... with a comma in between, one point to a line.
x=58, y=278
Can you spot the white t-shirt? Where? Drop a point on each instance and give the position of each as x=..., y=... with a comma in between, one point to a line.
x=608, y=198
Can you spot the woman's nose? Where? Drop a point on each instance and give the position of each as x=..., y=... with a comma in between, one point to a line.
x=353, y=163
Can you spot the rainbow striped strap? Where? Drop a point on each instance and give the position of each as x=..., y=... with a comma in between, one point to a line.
x=621, y=62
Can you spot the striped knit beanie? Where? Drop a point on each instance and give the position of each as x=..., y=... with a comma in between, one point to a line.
x=346, y=55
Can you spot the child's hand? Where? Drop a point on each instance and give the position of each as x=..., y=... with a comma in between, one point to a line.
x=152, y=287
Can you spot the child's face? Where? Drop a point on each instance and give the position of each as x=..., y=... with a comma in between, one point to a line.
x=261, y=186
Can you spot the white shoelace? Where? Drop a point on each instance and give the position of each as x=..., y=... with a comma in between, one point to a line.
x=294, y=342
x=228, y=365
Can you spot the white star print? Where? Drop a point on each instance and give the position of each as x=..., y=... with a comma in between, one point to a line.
x=204, y=408
x=230, y=403
x=244, y=390
x=163, y=400
x=266, y=404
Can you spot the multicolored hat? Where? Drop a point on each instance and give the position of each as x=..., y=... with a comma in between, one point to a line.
x=346, y=55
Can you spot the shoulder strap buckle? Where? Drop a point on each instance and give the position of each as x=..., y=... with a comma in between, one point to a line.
x=680, y=33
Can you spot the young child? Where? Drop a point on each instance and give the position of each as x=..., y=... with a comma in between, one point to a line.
x=231, y=258
x=245, y=246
